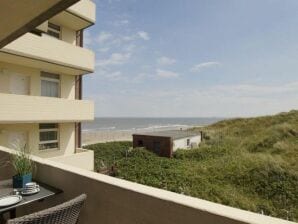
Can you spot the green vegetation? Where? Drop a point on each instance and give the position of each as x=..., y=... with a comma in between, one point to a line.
x=22, y=162
x=249, y=163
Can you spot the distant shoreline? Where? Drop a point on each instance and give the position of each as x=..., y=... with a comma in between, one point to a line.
x=94, y=136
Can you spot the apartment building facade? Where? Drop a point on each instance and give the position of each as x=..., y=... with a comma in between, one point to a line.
x=41, y=106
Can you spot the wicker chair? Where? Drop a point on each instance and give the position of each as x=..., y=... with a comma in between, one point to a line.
x=66, y=213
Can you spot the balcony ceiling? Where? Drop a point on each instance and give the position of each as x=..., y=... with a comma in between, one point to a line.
x=20, y=17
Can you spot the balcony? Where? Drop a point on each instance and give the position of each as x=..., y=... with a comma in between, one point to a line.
x=111, y=200
x=83, y=159
x=77, y=17
x=36, y=109
x=23, y=16
x=48, y=54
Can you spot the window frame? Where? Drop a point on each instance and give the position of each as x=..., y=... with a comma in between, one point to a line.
x=49, y=79
x=54, y=28
x=56, y=129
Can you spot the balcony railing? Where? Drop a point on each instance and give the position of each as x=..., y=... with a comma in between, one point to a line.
x=22, y=108
x=77, y=17
x=111, y=200
x=49, y=54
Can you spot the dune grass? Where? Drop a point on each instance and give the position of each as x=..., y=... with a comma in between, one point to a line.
x=250, y=164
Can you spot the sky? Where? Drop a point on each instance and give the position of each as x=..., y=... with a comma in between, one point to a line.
x=193, y=58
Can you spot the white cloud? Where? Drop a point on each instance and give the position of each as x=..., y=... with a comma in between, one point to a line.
x=104, y=49
x=215, y=101
x=199, y=67
x=166, y=74
x=144, y=35
x=264, y=91
x=166, y=61
x=103, y=37
x=129, y=48
x=114, y=76
x=120, y=22
x=114, y=59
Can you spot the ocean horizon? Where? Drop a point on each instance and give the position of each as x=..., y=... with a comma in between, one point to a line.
x=145, y=123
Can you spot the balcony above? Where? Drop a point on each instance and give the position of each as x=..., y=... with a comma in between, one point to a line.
x=36, y=109
x=48, y=54
x=23, y=16
x=77, y=17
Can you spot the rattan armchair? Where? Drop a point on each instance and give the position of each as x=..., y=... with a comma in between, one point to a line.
x=66, y=213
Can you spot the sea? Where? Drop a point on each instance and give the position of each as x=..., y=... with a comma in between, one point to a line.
x=137, y=124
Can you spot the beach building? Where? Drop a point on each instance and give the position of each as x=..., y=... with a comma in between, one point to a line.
x=42, y=61
x=164, y=143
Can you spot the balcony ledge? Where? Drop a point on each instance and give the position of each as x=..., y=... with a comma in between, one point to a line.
x=111, y=199
x=37, y=109
x=47, y=53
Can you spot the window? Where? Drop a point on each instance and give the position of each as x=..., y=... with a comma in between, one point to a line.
x=50, y=84
x=140, y=143
x=48, y=136
x=156, y=147
x=54, y=30
x=188, y=142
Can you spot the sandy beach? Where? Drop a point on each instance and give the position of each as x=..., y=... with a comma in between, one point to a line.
x=92, y=137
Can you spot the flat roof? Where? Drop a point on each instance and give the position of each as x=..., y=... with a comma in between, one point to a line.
x=174, y=134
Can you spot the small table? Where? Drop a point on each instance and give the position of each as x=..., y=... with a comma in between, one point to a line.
x=6, y=188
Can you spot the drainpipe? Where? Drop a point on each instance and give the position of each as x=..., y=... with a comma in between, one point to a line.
x=78, y=95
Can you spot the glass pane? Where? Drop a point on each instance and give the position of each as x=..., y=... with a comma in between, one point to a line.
x=54, y=34
x=49, y=88
x=53, y=26
x=48, y=126
x=48, y=146
x=50, y=75
x=48, y=136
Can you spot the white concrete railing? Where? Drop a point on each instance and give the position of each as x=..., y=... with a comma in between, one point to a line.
x=45, y=52
x=83, y=159
x=85, y=9
x=37, y=109
x=111, y=200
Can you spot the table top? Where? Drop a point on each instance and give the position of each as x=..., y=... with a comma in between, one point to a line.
x=46, y=191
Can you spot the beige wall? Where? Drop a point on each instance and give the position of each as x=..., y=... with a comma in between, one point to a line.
x=114, y=201
x=85, y=9
x=68, y=35
x=83, y=159
x=66, y=138
x=30, y=130
x=36, y=109
x=78, y=17
x=67, y=84
x=48, y=53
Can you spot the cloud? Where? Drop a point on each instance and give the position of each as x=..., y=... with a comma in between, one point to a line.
x=129, y=48
x=199, y=67
x=144, y=35
x=103, y=37
x=104, y=49
x=114, y=59
x=120, y=22
x=114, y=76
x=260, y=91
x=166, y=74
x=166, y=61
x=209, y=101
